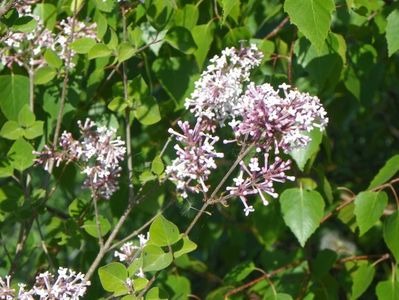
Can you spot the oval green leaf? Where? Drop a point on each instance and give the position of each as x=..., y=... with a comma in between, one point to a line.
x=155, y=259
x=163, y=232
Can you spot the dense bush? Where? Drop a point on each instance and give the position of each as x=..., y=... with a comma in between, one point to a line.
x=199, y=149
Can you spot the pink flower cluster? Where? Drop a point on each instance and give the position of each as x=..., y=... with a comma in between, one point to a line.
x=27, y=48
x=268, y=120
x=66, y=285
x=97, y=152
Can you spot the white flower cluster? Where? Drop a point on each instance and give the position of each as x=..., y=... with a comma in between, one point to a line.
x=27, y=48
x=129, y=252
x=68, y=285
x=269, y=120
x=98, y=152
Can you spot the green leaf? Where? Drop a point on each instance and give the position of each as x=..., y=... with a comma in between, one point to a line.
x=228, y=6
x=181, y=39
x=202, y=35
x=44, y=75
x=83, y=45
x=302, y=155
x=180, y=286
x=323, y=262
x=20, y=155
x=157, y=165
x=6, y=169
x=184, y=246
x=136, y=264
x=387, y=290
x=11, y=130
x=26, y=117
x=369, y=207
x=155, y=259
x=99, y=50
x=91, y=227
x=52, y=59
x=156, y=294
x=392, y=32
x=24, y=24
x=163, y=232
x=34, y=131
x=390, y=168
x=125, y=51
x=139, y=283
x=391, y=234
x=362, y=278
x=302, y=212
x=105, y=6
x=147, y=112
x=47, y=13
x=14, y=94
x=312, y=17
x=113, y=277
x=239, y=272
x=187, y=16
x=279, y=296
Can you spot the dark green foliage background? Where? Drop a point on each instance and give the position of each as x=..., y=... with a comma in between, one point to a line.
x=349, y=59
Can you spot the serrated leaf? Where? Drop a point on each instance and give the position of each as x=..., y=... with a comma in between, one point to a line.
x=20, y=155
x=362, y=278
x=91, y=228
x=390, y=168
x=83, y=45
x=387, y=290
x=180, y=38
x=113, y=277
x=312, y=17
x=26, y=117
x=392, y=32
x=391, y=233
x=99, y=50
x=184, y=246
x=14, y=94
x=163, y=232
x=302, y=212
x=11, y=130
x=157, y=165
x=369, y=207
x=34, y=131
x=155, y=259
x=302, y=155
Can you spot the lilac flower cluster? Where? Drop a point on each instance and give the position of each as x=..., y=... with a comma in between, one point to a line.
x=97, y=152
x=130, y=251
x=27, y=48
x=268, y=120
x=66, y=285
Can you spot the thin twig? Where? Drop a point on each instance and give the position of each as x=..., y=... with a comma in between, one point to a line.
x=31, y=89
x=276, y=30
x=43, y=244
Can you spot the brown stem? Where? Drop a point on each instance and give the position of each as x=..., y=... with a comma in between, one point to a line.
x=276, y=30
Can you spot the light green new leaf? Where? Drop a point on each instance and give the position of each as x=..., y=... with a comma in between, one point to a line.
x=140, y=283
x=184, y=246
x=361, y=278
x=228, y=6
x=52, y=59
x=83, y=45
x=44, y=75
x=302, y=212
x=24, y=24
x=187, y=16
x=392, y=32
x=20, y=155
x=388, y=290
x=202, y=35
x=155, y=294
x=390, y=168
x=155, y=259
x=11, y=130
x=26, y=117
x=34, y=131
x=91, y=227
x=312, y=17
x=302, y=155
x=14, y=94
x=157, y=165
x=147, y=112
x=99, y=50
x=391, y=234
x=113, y=277
x=180, y=38
x=369, y=207
x=163, y=232
x=125, y=51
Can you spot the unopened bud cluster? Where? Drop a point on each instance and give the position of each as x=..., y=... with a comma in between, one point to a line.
x=66, y=285
x=97, y=152
x=270, y=121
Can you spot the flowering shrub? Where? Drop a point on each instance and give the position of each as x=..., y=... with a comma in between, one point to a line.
x=199, y=149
